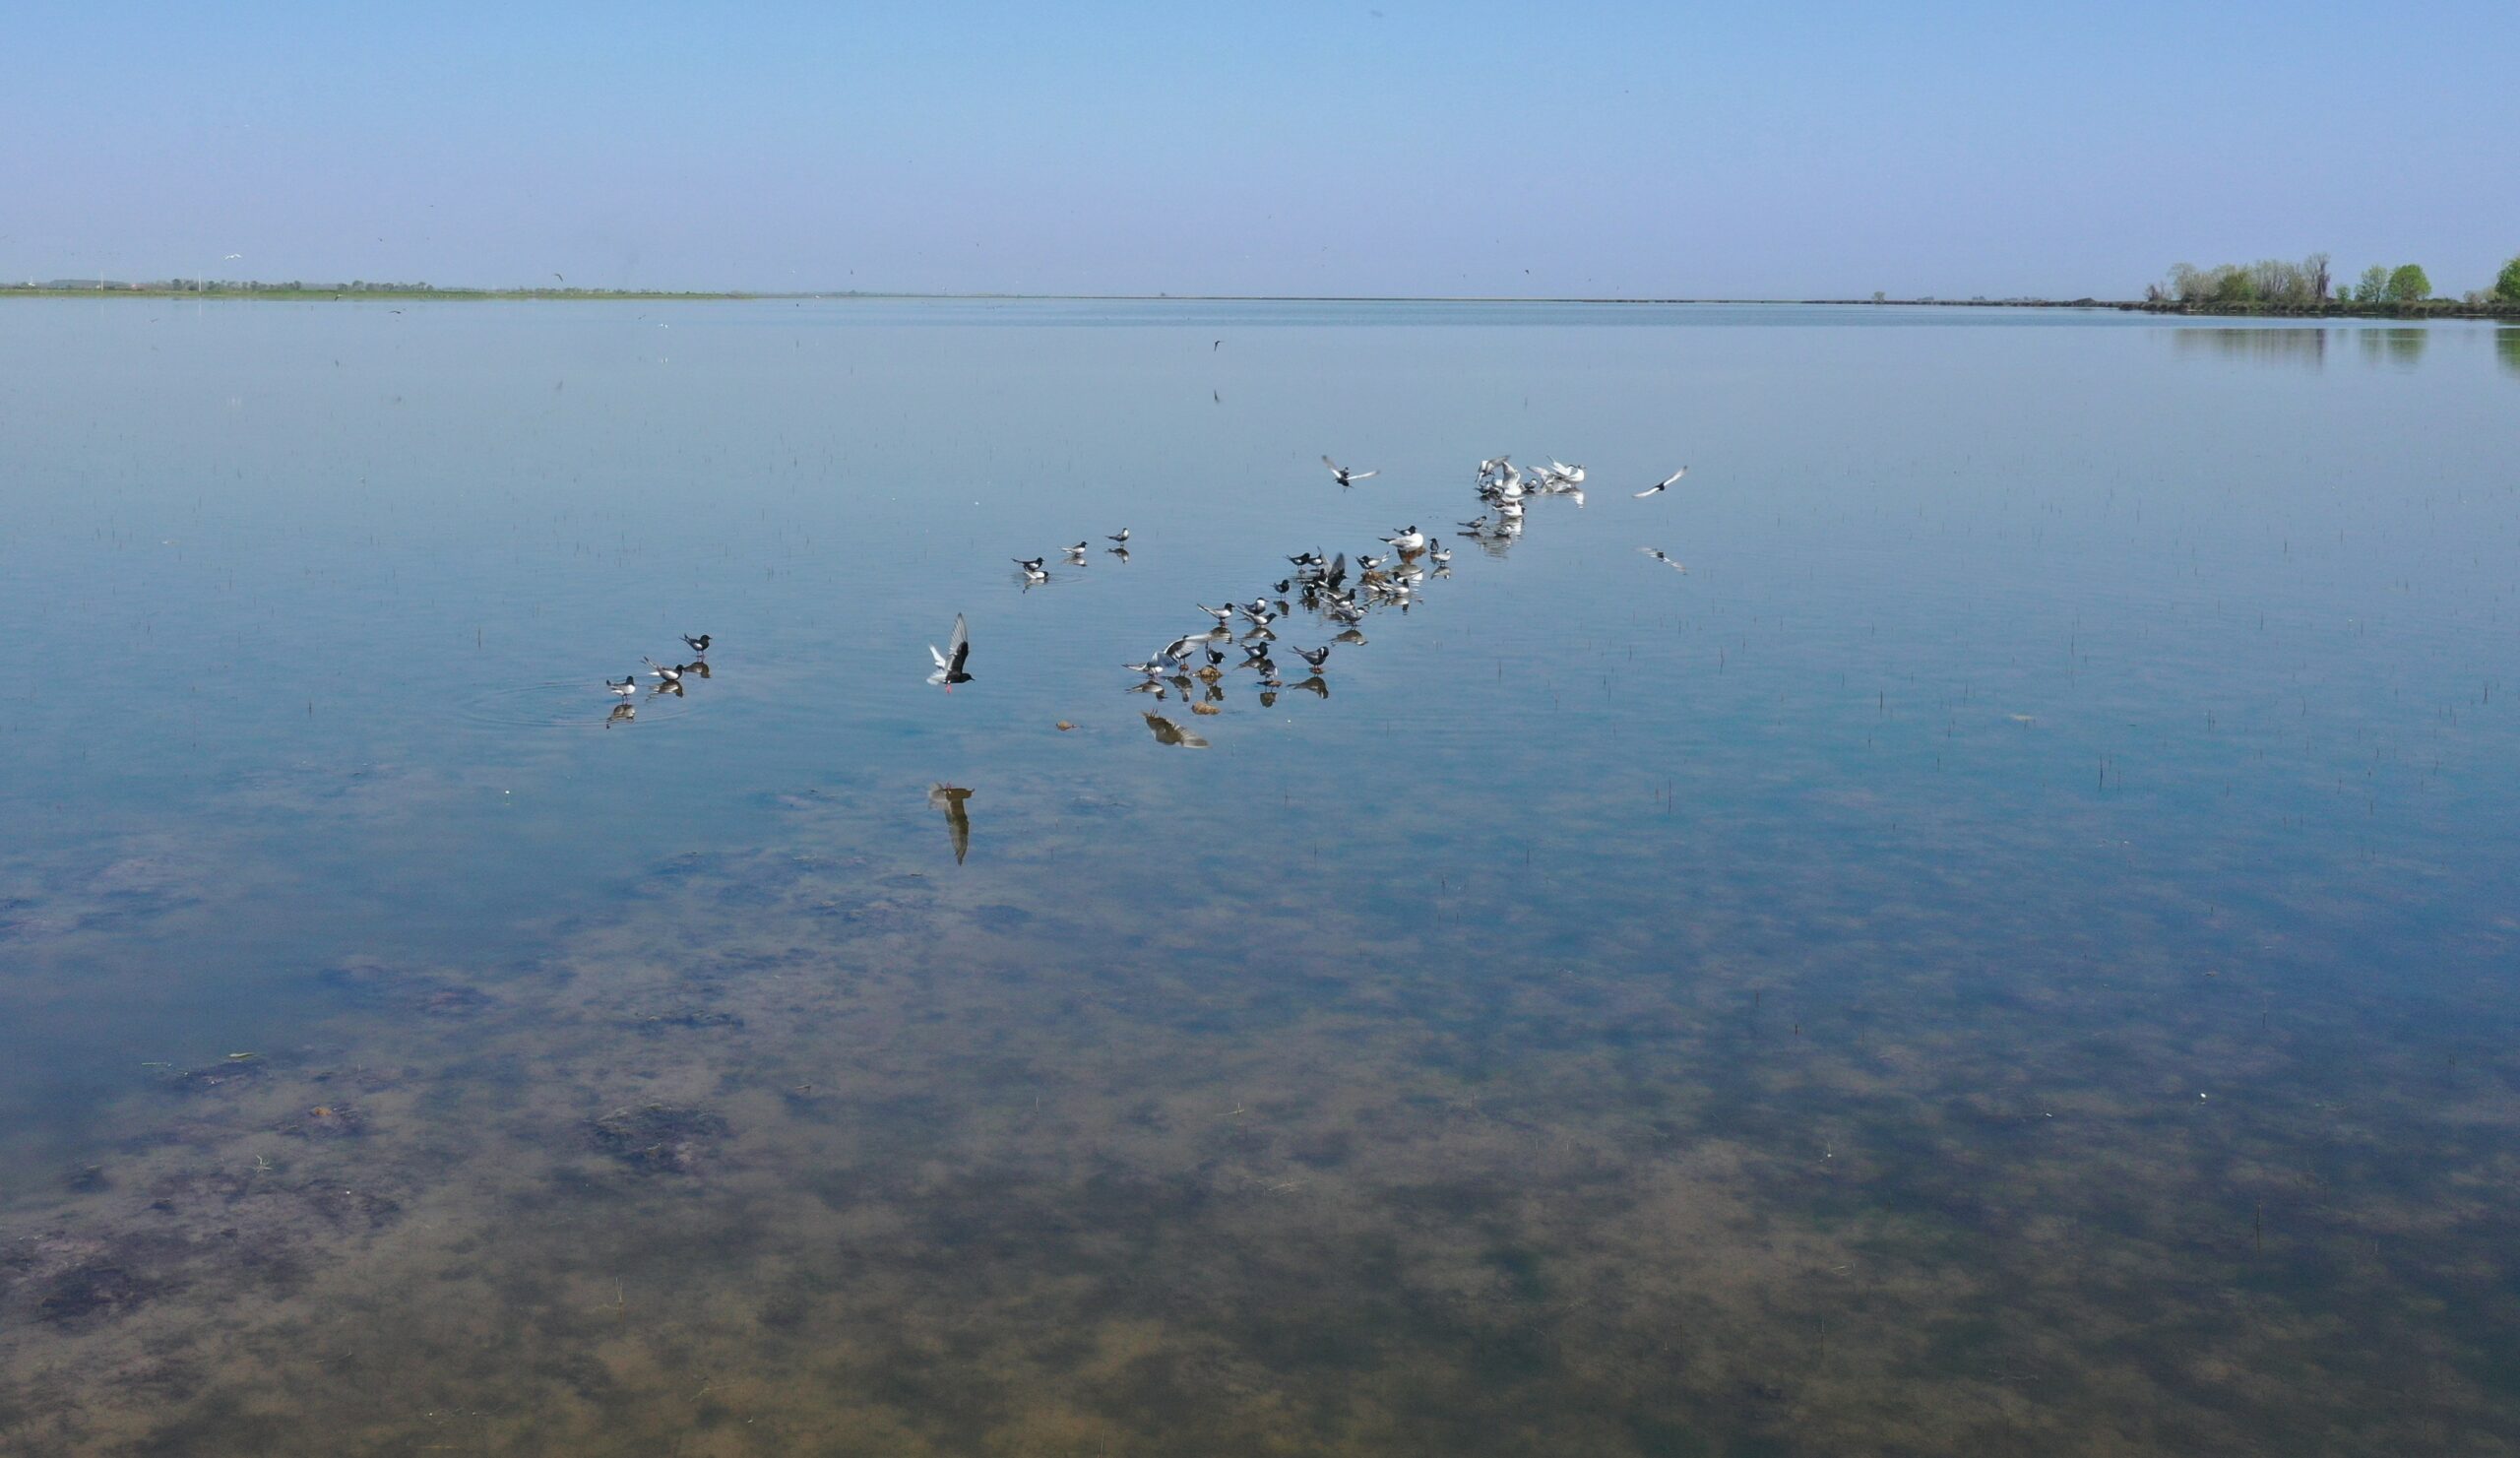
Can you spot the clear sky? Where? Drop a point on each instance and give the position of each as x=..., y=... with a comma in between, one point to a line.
x=1384, y=146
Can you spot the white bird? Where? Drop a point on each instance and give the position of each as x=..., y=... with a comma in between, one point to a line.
x=1663, y=484
x=1408, y=540
x=1346, y=477
x=1662, y=557
x=1573, y=476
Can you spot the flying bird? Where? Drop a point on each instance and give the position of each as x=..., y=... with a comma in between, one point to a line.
x=951, y=658
x=1662, y=557
x=1663, y=484
x=1346, y=477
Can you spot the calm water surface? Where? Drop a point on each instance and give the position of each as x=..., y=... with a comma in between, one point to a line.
x=2011, y=951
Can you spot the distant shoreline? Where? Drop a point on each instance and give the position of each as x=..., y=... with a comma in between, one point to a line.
x=2429, y=309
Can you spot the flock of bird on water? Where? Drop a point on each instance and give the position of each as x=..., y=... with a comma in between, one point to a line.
x=1321, y=587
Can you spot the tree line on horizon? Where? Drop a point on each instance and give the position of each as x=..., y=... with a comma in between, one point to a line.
x=2282, y=283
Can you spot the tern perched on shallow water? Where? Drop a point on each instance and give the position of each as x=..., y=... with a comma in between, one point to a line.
x=669, y=674
x=1316, y=657
x=1122, y=536
x=951, y=659
x=1408, y=540
x=1032, y=569
x=1346, y=477
x=1663, y=484
x=696, y=645
x=624, y=686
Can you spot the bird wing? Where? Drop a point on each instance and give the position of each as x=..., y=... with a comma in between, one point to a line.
x=1358, y=476
x=1675, y=475
x=960, y=644
x=938, y=653
x=1333, y=465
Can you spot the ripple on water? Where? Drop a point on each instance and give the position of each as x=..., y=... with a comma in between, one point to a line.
x=574, y=704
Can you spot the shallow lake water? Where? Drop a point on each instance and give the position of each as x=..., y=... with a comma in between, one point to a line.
x=2000, y=941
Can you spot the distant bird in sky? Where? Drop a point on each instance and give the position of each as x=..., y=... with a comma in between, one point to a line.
x=1663, y=484
x=1346, y=477
x=951, y=659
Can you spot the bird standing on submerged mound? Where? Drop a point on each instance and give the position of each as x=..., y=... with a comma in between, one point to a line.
x=1032, y=569
x=951, y=658
x=698, y=644
x=1408, y=540
x=1663, y=484
x=1346, y=477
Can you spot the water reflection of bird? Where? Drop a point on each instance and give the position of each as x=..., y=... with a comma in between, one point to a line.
x=621, y=714
x=951, y=799
x=1168, y=732
x=951, y=659
x=1346, y=477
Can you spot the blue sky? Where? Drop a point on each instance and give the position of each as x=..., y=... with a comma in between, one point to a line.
x=1769, y=150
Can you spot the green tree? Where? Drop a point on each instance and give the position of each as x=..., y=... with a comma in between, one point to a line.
x=2407, y=285
x=2375, y=285
x=2506, y=288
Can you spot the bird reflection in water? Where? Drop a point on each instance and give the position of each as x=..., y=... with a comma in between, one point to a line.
x=621, y=714
x=1168, y=732
x=951, y=799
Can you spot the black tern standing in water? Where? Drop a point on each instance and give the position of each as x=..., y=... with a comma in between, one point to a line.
x=1316, y=657
x=623, y=687
x=951, y=658
x=669, y=675
x=1663, y=484
x=950, y=798
x=698, y=646
x=1122, y=536
x=1078, y=551
x=1346, y=477
x=1034, y=572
